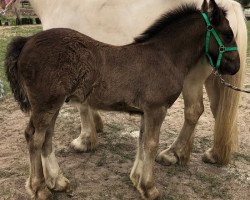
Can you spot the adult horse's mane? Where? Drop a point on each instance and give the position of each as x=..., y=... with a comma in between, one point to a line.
x=167, y=19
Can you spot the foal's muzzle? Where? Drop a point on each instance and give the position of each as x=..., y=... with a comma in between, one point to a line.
x=229, y=66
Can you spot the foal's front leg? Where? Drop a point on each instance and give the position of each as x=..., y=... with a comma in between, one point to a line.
x=142, y=172
x=137, y=166
x=180, y=150
x=90, y=123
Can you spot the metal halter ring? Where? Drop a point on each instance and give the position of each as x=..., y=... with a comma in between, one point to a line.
x=209, y=27
x=222, y=49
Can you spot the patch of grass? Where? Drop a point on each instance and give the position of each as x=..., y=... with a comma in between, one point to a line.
x=173, y=195
x=248, y=28
x=213, y=186
x=6, y=34
x=6, y=173
x=83, y=195
x=176, y=170
x=201, y=145
x=126, y=180
x=102, y=161
x=123, y=150
x=7, y=194
x=10, y=20
x=117, y=144
x=238, y=156
x=119, y=195
x=115, y=127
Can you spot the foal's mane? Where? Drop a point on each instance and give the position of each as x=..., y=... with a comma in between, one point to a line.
x=167, y=19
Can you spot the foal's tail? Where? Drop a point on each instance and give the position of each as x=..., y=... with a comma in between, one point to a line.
x=13, y=52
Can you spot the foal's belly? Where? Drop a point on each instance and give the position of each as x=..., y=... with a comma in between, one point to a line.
x=123, y=101
x=132, y=102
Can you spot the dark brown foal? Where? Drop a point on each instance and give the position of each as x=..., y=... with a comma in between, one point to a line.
x=143, y=78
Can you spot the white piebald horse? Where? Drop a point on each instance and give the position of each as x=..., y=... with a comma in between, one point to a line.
x=118, y=22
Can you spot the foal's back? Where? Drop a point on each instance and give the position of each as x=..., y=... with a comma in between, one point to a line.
x=75, y=66
x=60, y=58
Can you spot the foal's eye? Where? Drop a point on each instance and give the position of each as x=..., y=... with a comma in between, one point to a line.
x=229, y=36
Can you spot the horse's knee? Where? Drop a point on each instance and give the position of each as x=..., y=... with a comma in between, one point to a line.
x=193, y=113
x=36, y=143
x=151, y=146
x=29, y=132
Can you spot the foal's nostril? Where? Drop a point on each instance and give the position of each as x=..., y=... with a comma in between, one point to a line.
x=230, y=66
x=231, y=59
x=233, y=72
x=234, y=67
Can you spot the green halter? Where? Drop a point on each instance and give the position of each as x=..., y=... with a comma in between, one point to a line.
x=222, y=48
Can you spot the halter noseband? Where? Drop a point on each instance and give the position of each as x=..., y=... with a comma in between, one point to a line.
x=222, y=48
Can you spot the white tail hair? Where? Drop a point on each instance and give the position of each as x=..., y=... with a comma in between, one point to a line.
x=226, y=133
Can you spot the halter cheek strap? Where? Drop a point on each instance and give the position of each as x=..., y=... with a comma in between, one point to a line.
x=222, y=48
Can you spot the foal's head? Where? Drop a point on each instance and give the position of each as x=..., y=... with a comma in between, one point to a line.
x=221, y=49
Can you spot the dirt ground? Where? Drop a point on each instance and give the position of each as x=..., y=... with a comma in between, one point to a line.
x=104, y=174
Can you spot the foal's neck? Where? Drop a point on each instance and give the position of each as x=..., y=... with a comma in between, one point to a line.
x=184, y=40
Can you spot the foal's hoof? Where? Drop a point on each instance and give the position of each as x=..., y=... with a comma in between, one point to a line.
x=209, y=157
x=60, y=183
x=167, y=157
x=41, y=193
x=172, y=156
x=134, y=179
x=44, y=194
x=149, y=194
x=83, y=145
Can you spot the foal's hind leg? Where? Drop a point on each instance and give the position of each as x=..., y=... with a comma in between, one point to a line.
x=87, y=139
x=35, y=136
x=52, y=173
x=179, y=151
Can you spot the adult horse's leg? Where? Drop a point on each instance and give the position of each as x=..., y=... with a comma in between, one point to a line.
x=224, y=139
x=90, y=121
x=52, y=173
x=192, y=92
x=142, y=174
x=213, y=92
x=224, y=101
x=35, y=136
x=97, y=120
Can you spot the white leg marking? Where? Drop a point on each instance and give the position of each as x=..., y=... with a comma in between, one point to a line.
x=52, y=173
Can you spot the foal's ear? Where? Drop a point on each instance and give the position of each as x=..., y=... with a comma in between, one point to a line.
x=215, y=13
x=204, y=7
